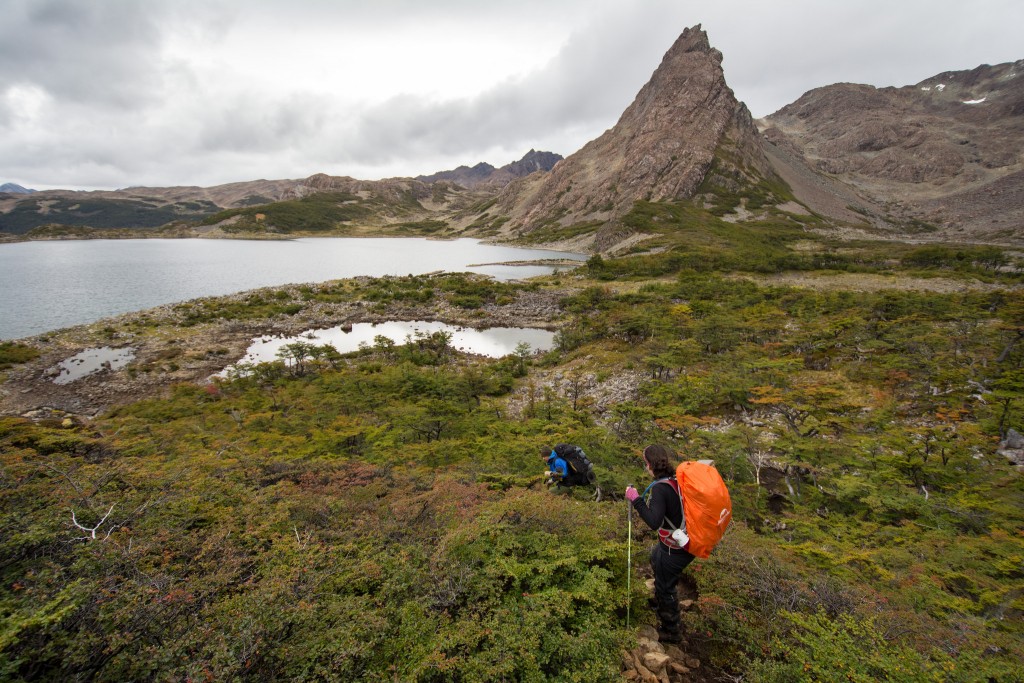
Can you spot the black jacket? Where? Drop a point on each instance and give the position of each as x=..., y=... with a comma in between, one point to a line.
x=664, y=503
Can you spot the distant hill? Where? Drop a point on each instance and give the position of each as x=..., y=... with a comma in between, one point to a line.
x=14, y=188
x=21, y=213
x=147, y=208
x=947, y=152
x=319, y=203
x=386, y=202
x=483, y=174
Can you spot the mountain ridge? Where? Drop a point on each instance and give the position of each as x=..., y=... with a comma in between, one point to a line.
x=14, y=188
x=940, y=160
x=947, y=151
x=484, y=174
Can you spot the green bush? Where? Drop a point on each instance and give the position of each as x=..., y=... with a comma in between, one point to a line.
x=14, y=353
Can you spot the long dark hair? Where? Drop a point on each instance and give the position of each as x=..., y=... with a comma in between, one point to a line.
x=660, y=459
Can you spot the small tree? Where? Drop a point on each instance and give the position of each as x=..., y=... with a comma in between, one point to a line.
x=295, y=354
x=522, y=352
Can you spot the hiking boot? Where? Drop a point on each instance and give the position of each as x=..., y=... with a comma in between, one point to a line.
x=666, y=637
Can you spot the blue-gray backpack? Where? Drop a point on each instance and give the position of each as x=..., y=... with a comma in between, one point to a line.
x=577, y=461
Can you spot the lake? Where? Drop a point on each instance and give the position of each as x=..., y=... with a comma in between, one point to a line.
x=52, y=285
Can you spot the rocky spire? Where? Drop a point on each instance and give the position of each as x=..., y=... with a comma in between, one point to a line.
x=660, y=149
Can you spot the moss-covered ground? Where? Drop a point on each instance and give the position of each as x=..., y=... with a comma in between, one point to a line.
x=381, y=516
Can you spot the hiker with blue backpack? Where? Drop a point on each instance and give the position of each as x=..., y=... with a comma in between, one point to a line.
x=688, y=505
x=560, y=471
x=569, y=466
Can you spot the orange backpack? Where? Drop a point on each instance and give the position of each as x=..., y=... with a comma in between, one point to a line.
x=707, y=509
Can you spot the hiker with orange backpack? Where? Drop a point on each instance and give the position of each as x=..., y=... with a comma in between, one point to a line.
x=692, y=490
x=663, y=512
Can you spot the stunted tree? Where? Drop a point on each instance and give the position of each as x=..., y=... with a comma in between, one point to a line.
x=474, y=383
x=576, y=387
x=807, y=406
x=302, y=357
x=294, y=356
x=1008, y=391
x=1012, y=316
x=385, y=346
x=672, y=357
x=522, y=353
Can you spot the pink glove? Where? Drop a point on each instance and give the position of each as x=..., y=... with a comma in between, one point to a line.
x=631, y=494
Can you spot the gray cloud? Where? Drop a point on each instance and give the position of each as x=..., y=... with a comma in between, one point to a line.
x=100, y=94
x=775, y=52
x=588, y=84
x=251, y=123
x=102, y=53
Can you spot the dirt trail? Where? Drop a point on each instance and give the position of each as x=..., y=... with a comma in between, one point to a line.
x=652, y=661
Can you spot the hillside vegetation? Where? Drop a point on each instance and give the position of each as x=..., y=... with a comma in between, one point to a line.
x=380, y=515
x=136, y=213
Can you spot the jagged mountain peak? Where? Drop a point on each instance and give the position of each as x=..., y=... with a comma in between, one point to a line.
x=660, y=149
x=692, y=39
x=532, y=162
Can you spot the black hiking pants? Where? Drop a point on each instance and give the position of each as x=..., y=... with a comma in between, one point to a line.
x=574, y=479
x=668, y=564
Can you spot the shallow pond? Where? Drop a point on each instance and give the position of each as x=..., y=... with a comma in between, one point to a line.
x=493, y=342
x=91, y=361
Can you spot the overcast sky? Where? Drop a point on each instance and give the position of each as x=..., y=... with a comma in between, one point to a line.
x=105, y=94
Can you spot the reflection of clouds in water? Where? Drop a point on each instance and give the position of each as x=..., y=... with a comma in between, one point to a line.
x=500, y=341
x=494, y=342
x=91, y=361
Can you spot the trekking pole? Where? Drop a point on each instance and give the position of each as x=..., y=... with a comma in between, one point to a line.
x=629, y=557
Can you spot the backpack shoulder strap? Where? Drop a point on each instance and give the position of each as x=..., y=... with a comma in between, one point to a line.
x=671, y=481
x=674, y=485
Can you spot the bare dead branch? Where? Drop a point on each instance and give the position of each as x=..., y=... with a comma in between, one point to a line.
x=92, y=531
x=53, y=468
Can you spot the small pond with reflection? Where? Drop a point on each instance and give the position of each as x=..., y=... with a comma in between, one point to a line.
x=91, y=361
x=493, y=342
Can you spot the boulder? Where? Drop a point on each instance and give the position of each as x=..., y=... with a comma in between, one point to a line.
x=678, y=668
x=648, y=632
x=647, y=645
x=1012, y=447
x=675, y=653
x=656, y=661
x=1013, y=440
x=645, y=674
